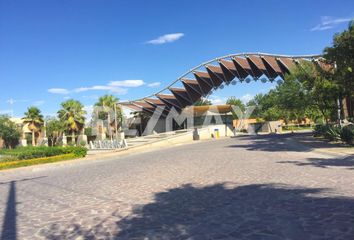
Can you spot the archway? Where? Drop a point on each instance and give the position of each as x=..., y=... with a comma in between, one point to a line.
x=203, y=79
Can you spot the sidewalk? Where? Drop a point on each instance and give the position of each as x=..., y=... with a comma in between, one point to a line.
x=322, y=145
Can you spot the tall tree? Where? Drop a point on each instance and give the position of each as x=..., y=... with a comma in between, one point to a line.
x=34, y=119
x=55, y=129
x=318, y=91
x=292, y=99
x=108, y=103
x=341, y=53
x=236, y=102
x=266, y=106
x=72, y=114
x=9, y=132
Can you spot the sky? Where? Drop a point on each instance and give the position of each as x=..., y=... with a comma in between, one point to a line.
x=53, y=50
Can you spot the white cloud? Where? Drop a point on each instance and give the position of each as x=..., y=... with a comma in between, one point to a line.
x=59, y=91
x=38, y=103
x=166, y=38
x=127, y=83
x=154, y=84
x=246, y=98
x=112, y=89
x=328, y=22
x=118, y=87
x=216, y=100
x=97, y=87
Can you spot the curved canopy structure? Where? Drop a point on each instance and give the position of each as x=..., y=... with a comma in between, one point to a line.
x=203, y=79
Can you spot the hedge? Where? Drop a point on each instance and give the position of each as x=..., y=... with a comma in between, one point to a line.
x=23, y=153
x=22, y=163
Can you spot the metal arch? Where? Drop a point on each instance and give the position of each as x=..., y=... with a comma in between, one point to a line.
x=204, y=64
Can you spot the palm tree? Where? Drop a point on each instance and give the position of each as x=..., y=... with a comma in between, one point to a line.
x=108, y=102
x=72, y=114
x=34, y=118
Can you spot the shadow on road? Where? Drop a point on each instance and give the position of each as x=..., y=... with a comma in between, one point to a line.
x=223, y=211
x=9, y=226
x=290, y=142
x=347, y=162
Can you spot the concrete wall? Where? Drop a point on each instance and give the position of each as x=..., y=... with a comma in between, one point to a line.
x=187, y=137
x=206, y=132
x=160, y=126
x=266, y=127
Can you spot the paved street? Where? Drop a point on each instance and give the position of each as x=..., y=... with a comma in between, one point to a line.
x=265, y=187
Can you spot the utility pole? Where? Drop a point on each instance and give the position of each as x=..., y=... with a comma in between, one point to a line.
x=115, y=120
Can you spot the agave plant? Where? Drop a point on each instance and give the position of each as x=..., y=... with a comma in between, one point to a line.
x=333, y=133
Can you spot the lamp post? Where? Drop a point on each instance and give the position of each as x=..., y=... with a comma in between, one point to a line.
x=115, y=120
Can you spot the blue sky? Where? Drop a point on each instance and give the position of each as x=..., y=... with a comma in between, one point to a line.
x=54, y=50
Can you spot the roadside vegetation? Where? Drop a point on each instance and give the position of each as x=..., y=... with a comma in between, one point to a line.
x=318, y=92
x=70, y=121
x=9, y=132
x=336, y=133
x=25, y=156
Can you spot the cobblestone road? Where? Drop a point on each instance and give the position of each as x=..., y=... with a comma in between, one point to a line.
x=265, y=187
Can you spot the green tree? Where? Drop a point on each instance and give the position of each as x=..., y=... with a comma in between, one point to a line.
x=256, y=102
x=108, y=103
x=321, y=91
x=9, y=132
x=202, y=102
x=34, y=119
x=236, y=102
x=292, y=99
x=54, y=128
x=273, y=114
x=72, y=114
x=341, y=53
x=266, y=106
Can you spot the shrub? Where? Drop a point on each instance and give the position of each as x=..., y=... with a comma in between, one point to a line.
x=347, y=134
x=80, y=151
x=320, y=130
x=38, y=152
x=329, y=132
x=333, y=133
x=9, y=132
